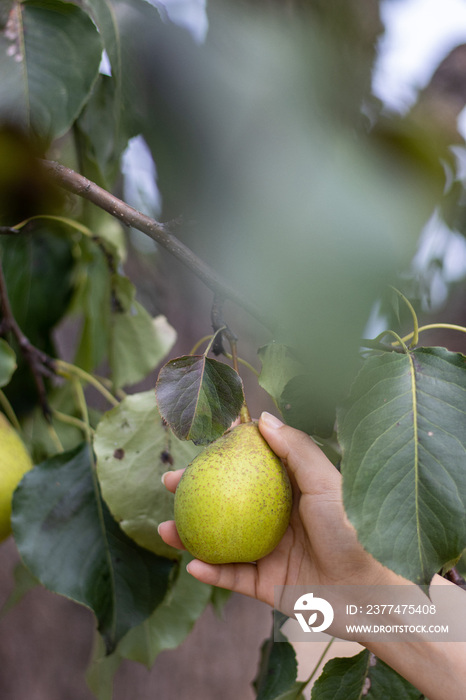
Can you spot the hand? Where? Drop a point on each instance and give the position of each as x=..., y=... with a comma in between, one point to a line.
x=320, y=546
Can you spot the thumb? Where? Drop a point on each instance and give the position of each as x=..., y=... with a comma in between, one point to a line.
x=313, y=471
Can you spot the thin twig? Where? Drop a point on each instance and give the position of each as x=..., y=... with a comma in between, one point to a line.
x=159, y=232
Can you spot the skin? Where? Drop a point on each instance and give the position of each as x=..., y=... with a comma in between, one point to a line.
x=321, y=547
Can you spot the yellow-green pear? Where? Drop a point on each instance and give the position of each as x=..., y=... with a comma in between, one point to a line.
x=14, y=463
x=233, y=502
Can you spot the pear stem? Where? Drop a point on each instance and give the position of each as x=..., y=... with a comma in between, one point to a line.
x=244, y=415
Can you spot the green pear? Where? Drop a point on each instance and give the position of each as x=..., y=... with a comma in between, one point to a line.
x=14, y=463
x=233, y=502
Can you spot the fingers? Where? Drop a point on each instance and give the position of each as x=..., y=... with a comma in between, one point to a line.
x=314, y=473
x=240, y=578
x=171, y=479
x=168, y=532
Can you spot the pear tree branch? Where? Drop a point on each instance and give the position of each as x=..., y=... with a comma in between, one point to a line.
x=77, y=184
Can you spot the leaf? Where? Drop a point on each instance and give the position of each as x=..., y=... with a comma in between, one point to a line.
x=69, y=541
x=198, y=397
x=24, y=582
x=300, y=410
x=103, y=14
x=171, y=622
x=219, y=598
x=133, y=450
x=277, y=668
x=102, y=138
x=7, y=362
x=361, y=676
x=403, y=442
x=46, y=74
x=92, y=300
x=101, y=670
x=294, y=693
x=136, y=346
x=39, y=296
x=279, y=365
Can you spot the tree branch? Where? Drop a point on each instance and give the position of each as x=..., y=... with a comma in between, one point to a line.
x=78, y=184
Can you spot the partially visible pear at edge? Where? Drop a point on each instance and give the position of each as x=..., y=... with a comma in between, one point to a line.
x=233, y=502
x=14, y=463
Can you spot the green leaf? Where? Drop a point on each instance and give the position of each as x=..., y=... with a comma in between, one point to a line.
x=133, y=450
x=403, y=442
x=199, y=397
x=101, y=670
x=219, y=598
x=39, y=296
x=171, y=622
x=277, y=669
x=279, y=365
x=24, y=582
x=92, y=300
x=137, y=343
x=294, y=693
x=50, y=54
x=103, y=14
x=36, y=429
x=69, y=541
x=361, y=676
x=7, y=362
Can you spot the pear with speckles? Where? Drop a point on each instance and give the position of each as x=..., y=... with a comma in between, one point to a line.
x=14, y=463
x=233, y=502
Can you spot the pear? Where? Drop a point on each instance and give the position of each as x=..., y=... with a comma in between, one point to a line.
x=14, y=463
x=234, y=500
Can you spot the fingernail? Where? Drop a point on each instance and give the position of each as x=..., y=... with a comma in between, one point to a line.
x=271, y=421
x=162, y=478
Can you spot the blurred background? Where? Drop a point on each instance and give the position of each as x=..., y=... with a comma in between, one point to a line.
x=404, y=61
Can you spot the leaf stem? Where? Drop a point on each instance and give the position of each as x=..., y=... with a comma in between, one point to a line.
x=244, y=363
x=200, y=342
x=72, y=420
x=65, y=369
x=212, y=340
x=54, y=437
x=9, y=411
x=316, y=667
x=415, y=334
x=60, y=219
x=433, y=326
x=79, y=391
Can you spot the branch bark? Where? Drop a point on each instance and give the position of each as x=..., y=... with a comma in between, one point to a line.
x=79, y=185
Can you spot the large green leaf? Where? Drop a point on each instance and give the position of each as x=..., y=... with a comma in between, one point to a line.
x=133, y=450
x=403, y=441
x=361, y=676
x=199, y=397
x=165, y=629
x=171, y=622
x=49, y=59
x=277, y=668
x=70, y=542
